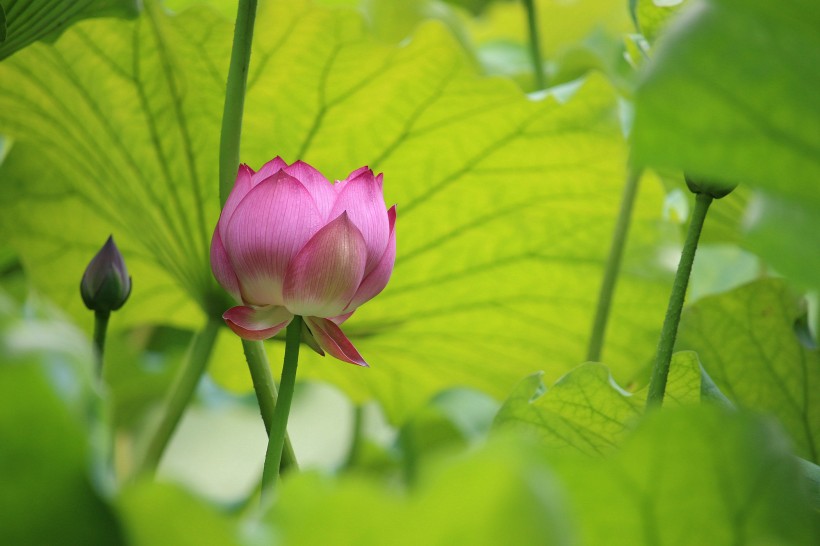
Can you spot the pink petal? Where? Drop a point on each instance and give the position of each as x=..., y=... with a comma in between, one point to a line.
x=361, y=196
x=338, y=319
x=342, y=183
x=268, y=228
x=269, y=169
x=241, y=187
x=317, y=185
x=222, y=268
x=310, y=341
x=357, y=172
x=257, y=323
x=377, y=279
x=331, y=338
x=324, y=276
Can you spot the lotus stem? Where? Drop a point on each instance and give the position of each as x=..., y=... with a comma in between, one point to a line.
x=267, y=395
x=279, y=423
x=180, y=394
x=235, y=97
x=613, y=266
x=663, y=357
x=535, y=44
x=354, y=452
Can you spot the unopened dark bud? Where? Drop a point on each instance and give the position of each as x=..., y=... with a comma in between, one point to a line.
x=106, y=284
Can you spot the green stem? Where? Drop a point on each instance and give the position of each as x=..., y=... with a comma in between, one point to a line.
x=535, y=45
x=660, y=371
x=355, y=436
x=613, y=266
x=266, y=394
x=279, y=423
x=633, y=13
x=100, y=328
x=180, y=394
x=235, y=97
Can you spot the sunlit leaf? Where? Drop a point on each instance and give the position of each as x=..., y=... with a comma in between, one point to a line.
x=747, y=342
x=497, y=207
x=586, y=411
x=505, y=203
x=652, y=16
x=23, y=22
x=115, y=132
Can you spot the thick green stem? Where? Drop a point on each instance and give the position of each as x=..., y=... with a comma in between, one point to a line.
x=535, y=45
x=660, y=371
x=235, y=97
x=181, y=392
x=613, y=266
x=266, y=394
x=100, y=328
x=279, y=423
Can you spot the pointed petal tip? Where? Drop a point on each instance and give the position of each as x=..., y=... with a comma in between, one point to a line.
x=358, y=172
x=331, y=338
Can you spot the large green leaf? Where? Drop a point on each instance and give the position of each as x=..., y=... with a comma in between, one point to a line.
x=115, y=130
x=156, y=513
x=776, y=230
x=747, y=342
x=505, y=203
x=515, y=501
x=727, y=96
x=693, y=476
x=586, y=411
x=25, y=21
x=699, y=476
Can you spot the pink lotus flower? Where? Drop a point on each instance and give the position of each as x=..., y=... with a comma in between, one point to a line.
x=289, y=243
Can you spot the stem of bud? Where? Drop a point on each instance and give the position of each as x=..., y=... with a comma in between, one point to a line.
x=100, y=329
x=663, y=357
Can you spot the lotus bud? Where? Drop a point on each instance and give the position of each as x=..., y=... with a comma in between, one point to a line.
x=106, y=284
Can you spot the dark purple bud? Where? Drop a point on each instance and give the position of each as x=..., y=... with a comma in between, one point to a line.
x=106, y=284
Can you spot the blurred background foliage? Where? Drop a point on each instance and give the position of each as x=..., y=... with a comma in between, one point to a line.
x=476, y=423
